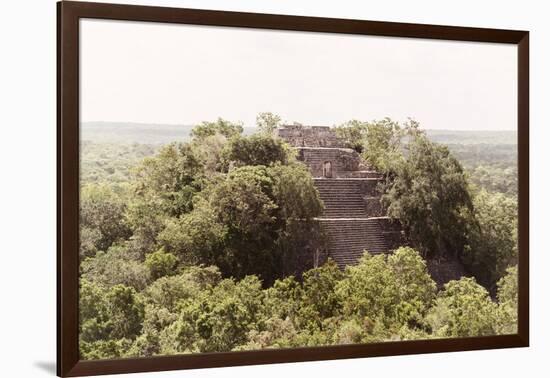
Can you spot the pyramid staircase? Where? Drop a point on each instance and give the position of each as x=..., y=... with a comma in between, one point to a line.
x=346, y=222
x=348, y=238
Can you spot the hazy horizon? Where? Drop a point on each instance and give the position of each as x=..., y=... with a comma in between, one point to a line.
x=181, y=75
x=254, y=126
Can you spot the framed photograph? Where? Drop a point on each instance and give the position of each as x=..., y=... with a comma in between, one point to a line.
x=238, y=188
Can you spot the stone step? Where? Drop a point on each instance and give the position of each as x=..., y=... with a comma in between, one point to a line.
x=340, y=193
x=342, y=198
x=359, y=204
x=344, y=214
x=338, y=180
x=342, y=211
x=348, y=239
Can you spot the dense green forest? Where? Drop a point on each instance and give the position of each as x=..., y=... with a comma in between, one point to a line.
x=196, y=245
x=111, y=149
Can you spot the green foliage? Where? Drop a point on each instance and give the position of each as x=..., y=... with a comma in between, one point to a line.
x=104, y=349
x=112, y=163
x=220, y=126
x=294, y=192
x=164, y=188
x=257, y=149
x=496, y=179
x=492, y=237
x=284, y=298
x=490, y=166
x=195, y=237
x=267, y=122
x=210, y=150
x=353, y=134
x=101, y=219
x=167, y=292
x=255, y=220
x=173, y=176
x=382, y=298
x=320, y=299
x=201, y=247
x=242, y=206
x=415, y=287
x=116, y=266
x=463, y=309
x=508, y=302
x=393, y=292
x=242, y=201
x=429, y=195
x=277, y=333
x=425, y=188
x=218, y=319
x=161, y=264
x=108, y=317
x=383, y=143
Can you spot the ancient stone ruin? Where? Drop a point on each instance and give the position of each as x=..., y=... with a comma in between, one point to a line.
x=354, y=219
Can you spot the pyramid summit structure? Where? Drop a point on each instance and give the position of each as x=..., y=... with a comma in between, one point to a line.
x=354, y=219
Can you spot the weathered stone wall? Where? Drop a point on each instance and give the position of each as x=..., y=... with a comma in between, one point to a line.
x=373, y=206
x=444, y=270
x=392, y=233
x=309, y=136
x=343, y=161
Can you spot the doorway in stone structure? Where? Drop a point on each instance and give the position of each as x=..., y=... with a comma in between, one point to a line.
x=327, y=169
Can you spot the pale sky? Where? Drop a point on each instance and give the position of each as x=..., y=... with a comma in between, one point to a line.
x=179, y=74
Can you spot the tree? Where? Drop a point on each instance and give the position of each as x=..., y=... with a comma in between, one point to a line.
x=283, y=299
x=387, y=293
x=463, y=309
x=257, y=149
x=109, y=319
x=508, y=302
x=353, y=133
x=166, y=292
x=90, y=240
x=101, y=219
x=294, y=192
x=268, y=122
x=164, y=187
x=172, y=177
x=429, y=195
x=320, y=299
x=383, y=143
x=243, y=206
x=217, y=320
x=425, y=187
x=210, y=151
x=242, y=201
x=492, y=237
x=196, y=237
x=114, y=267
x=415, y=286
x=161, y=263
x=256, y=220
x=299, y=237
x=220, y=126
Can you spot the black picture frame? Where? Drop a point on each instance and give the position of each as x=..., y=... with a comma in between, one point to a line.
x=68, y=15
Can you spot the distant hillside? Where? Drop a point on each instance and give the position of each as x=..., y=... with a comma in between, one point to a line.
x=473, y=136
x=110, y=150
x=143, y=133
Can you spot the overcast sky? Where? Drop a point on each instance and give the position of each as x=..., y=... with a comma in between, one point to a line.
x=161, y=73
